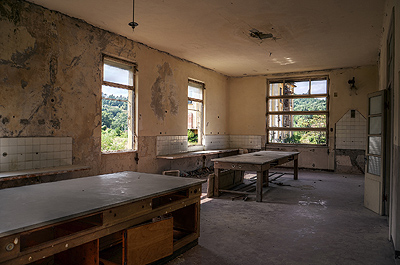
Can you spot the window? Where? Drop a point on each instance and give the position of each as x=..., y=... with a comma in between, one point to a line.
x=117, y=132
x=297, y=111
x=195, y=112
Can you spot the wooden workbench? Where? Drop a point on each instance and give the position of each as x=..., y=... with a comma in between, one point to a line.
x=141, y=217
x=260, y=161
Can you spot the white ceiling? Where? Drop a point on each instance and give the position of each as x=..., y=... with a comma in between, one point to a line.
x=308, y=34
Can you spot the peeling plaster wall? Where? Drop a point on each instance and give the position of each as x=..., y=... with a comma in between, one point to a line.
x=51, y=86
x=394, y=211
x=251, y=107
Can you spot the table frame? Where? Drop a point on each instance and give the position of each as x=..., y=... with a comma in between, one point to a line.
x=261, y=163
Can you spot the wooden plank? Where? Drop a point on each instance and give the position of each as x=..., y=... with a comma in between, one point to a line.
x=265, y=175
x=150, y=242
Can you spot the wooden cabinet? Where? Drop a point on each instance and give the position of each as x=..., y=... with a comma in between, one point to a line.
x=152, y=240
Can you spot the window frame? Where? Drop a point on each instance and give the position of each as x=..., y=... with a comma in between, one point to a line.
x=284, y=80
x=132, y=143
x=201, y=133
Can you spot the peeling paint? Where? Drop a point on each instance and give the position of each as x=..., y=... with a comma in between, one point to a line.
x=165, y=84
x=5, y=120
x=22, y=48
x=23, y=84
x=24, y=121
x=55, y=123
x=11, y=11
x=350, y=161
x=53, y=69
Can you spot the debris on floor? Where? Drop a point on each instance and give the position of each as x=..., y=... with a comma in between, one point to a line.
x=198, y=173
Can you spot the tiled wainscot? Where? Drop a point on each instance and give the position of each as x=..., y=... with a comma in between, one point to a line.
x=34, y=152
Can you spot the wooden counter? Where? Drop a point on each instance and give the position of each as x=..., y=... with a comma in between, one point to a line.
x=80, y=219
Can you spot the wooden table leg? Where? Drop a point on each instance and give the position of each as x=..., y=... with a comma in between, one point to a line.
x=265, y=178
x=296, y=168
x=217, y=171
x=259, y=186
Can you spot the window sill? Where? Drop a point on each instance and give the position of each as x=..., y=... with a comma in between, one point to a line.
x=118, y=152
x=193, y=148
x=297, y=145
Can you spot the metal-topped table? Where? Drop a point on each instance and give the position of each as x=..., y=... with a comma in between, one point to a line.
x=102, y=205
x=260, y=161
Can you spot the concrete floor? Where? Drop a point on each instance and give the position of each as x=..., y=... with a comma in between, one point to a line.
x=318, y=219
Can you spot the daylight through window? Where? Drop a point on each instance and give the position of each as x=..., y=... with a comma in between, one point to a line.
x=195, y=112
x=297, y=111
x=117, y=132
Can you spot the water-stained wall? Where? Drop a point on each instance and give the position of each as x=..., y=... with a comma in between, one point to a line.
x=50, y=85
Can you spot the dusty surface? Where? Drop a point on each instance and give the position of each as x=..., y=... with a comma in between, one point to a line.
x=318, y=219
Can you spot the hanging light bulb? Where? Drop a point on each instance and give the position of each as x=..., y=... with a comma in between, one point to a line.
x=133, y=24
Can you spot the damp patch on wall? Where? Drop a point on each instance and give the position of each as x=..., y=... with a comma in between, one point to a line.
x=23, y=44
x=164, y=93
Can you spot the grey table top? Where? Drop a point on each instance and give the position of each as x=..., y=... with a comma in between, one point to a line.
x=28, y=207
x=256, y=158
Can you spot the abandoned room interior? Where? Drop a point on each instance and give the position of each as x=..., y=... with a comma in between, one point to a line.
x=199, y=132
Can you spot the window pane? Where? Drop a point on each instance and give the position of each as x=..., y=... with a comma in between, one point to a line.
x=275, y=105
x=319, y=87
x=194, y=121
x=297, y=137
x=194, y=114
x=297, y=104
x=114, y=92
x=375, y=105
x=118, y=73
x=375, y=126
x=275, y=89
x=374, y=165
x=195, y=92
x=374, y=145
x=297, y=121
x=300, y=88
x=115, y=119
x=309, y=104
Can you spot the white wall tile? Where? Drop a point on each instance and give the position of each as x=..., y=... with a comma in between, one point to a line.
x=351, y=132
x=29, y=152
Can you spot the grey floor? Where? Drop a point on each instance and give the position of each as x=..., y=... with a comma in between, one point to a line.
x=318, y=219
